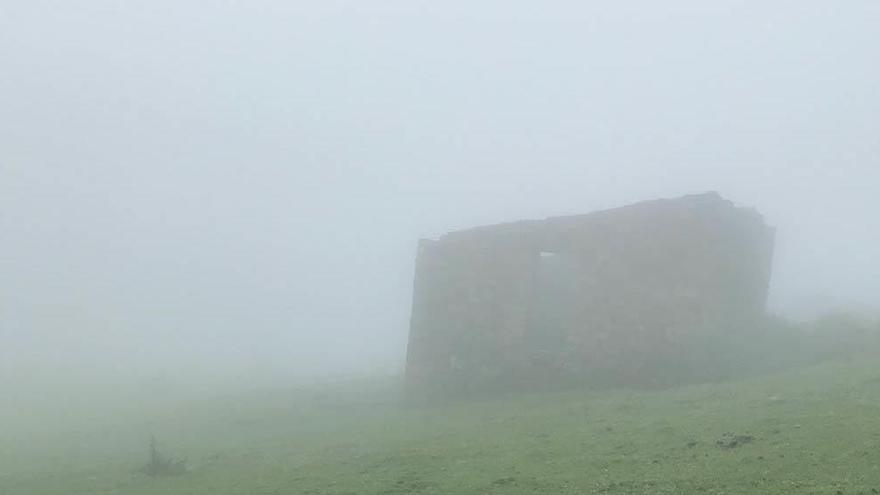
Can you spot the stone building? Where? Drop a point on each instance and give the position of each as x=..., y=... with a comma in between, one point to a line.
x=615, y=291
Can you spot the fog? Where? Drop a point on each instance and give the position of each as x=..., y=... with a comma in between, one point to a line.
x=238, y=187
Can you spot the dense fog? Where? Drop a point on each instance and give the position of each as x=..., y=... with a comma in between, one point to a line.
x=230, y=188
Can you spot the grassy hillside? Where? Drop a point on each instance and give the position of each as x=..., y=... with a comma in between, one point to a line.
x=814, y=430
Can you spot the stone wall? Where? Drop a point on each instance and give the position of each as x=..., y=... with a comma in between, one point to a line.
x=612, y=290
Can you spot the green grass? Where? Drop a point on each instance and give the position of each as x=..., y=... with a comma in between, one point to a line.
x=815, y=430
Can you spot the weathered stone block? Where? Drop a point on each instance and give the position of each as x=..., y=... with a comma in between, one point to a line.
x=615, y=290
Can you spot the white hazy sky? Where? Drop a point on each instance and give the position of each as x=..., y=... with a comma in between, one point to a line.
x=246, y=180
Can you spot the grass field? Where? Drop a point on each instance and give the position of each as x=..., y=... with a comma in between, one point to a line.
x=814, y=430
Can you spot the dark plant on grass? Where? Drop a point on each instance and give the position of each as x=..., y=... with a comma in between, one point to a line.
x=160, y=464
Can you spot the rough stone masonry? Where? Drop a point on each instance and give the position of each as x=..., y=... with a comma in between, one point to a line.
x=608, y=291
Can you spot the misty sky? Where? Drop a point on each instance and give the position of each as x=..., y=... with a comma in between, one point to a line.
x=245, y=181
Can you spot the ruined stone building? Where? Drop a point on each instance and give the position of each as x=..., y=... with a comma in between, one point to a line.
x=613, y=290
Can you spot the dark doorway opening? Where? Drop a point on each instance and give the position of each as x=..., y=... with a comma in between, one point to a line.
x=553, y=307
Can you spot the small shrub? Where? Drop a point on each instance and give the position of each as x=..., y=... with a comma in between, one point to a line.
x=160, y=464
